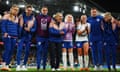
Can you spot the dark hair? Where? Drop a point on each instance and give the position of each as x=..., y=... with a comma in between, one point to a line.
x=28, y=6
x=93, y=8
x=77, y=19
x=44, y=7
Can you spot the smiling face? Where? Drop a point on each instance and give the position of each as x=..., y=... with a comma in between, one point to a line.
x=14, y=10
x=44, y=10
x=94, y=12
x=69, y=18
x=59, y=17
x=28, y=10
x=83, y=18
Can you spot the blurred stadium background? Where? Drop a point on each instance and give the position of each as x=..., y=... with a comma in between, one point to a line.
x=75, y=7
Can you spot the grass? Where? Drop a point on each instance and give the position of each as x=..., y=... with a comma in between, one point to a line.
x=48, y=70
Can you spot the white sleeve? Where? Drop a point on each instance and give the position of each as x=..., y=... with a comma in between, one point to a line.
x=80, y=27
x=88, y=25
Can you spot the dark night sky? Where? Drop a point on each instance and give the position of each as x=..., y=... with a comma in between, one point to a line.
x=109, y=5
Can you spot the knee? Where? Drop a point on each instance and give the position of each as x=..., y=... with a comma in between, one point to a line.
x=80, y=53
x=85, y=53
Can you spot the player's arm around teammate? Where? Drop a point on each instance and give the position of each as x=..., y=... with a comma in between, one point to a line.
x=27, y=27
x=56, y=31
x=96, y=38
x=110, y=40
x=10, y=34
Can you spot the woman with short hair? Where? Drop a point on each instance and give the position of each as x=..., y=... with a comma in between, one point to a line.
x=56, y=31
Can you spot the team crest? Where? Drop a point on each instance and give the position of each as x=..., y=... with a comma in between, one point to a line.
x=97, y=19
x=71, y=44
x=63, y=45
x=78, y=44
x=39, y=43
x=91, y=43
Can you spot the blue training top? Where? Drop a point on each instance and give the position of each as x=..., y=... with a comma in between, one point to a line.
x=95, y=28
x=9, y=27
x=110, y=35
x=54, y=34
x=26, y=19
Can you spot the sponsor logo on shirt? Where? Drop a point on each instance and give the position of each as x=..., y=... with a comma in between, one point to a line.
x=44, y=24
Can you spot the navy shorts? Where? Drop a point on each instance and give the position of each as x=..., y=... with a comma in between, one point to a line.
x=67, y=44
x=79, y=44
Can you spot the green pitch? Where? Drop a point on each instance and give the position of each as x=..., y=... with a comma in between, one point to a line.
x=47, y=70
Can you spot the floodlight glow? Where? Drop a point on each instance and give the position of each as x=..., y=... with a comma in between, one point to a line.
x=83, y=10
x=84, y=6
x=7, y=2
x=33, y=9
x=37, y=11
x=76, y=8
x=80, y=9
x=21, y=5
x=102, y=14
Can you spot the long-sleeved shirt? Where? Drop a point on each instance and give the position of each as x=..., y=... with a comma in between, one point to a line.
x=54, y=34
x=110, y=34
x=43, y=22
x=26, y=21
x=95, y=28
x=70, y=29
x=9, y=26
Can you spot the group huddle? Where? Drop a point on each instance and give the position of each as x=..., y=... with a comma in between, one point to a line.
x=53, y=35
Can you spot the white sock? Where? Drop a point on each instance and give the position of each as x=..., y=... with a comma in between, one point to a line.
x=86, y=59
x=80, y=60
x=18, y=66
x=95, y=67
x=7, y=66
x=64, y=59
x=24, y=66
x=71, y=59
x=3, y=64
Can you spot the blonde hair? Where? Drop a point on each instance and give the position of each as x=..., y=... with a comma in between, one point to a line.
x=13, y=6
x=108, y=14
x=57, y=14
x=66, y=17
